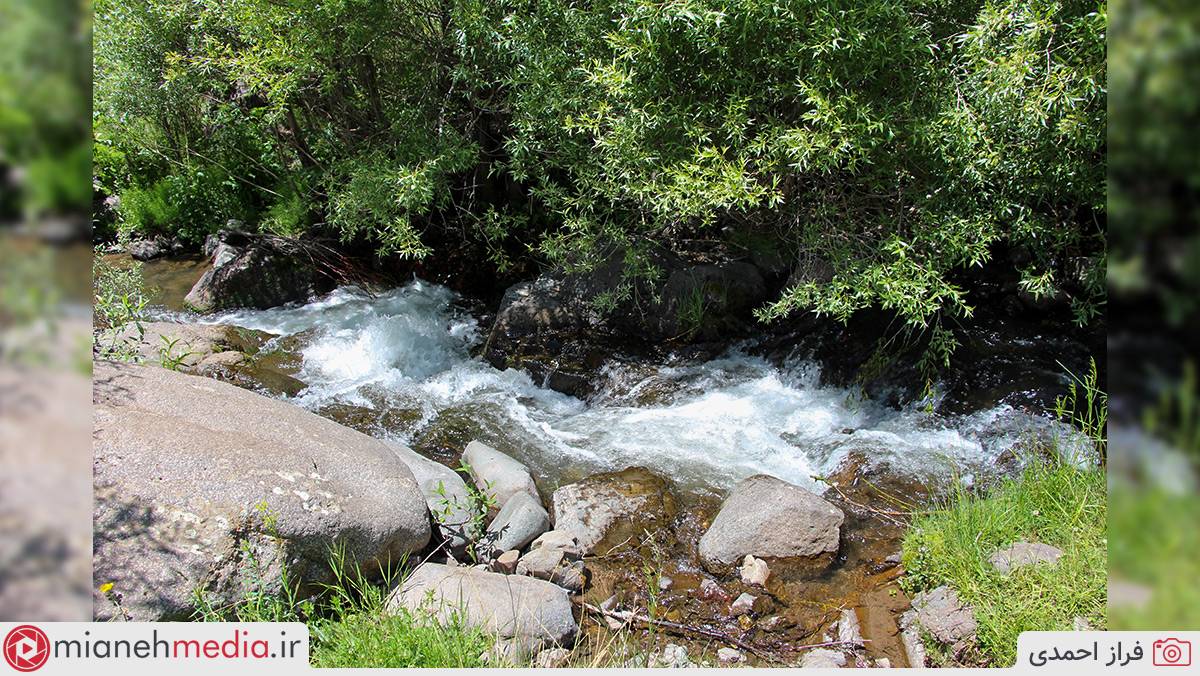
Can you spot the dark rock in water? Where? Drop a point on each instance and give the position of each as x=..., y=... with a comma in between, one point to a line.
x=446, y=436
x=264, y=273
x=377, y=422
x=605, y=510
x=155, y=247
x=770, y=519
x=561, y=327
x=194, y=476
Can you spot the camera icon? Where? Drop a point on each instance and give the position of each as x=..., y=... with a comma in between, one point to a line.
x=1171, y=652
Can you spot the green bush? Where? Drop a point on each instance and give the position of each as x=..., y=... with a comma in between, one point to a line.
x=901, y=142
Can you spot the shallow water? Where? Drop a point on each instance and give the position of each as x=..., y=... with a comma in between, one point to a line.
x=705, y=426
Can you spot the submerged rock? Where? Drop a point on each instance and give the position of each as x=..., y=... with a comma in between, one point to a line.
x=605, y=510
x=497, y=474
x=770, y=518
x=524, y=613
x=849, y=631
x=1021, y=554
x=201, y=485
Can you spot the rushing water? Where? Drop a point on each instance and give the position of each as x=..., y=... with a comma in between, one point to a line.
x=704, y=425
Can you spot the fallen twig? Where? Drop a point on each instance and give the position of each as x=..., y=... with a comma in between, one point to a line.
x=630, y=616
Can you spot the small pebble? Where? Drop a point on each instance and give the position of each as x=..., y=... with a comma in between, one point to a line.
x=743, y=605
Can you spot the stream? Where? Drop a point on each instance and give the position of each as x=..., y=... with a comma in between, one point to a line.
x=403, y=361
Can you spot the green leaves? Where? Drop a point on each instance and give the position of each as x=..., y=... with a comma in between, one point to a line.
x=898, y=141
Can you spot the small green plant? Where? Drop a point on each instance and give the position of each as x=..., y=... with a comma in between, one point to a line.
x=167, y=356
x=118, y=308
x=691, y=312
x=1085, y=405
x=1175, y=418
x=479, y=504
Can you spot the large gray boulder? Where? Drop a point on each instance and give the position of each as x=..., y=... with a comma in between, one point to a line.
x=771, y=519
x=445, y=493
x=520, y=520
x=603, y=511
x=261, y=273
x=497, y=474
x=523, y=613
x=204, y=486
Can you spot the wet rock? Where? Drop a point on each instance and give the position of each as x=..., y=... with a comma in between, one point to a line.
x=730, y=656
x=445, y=494
x=521, y=519
x=743, y=605
x=770, y=518
x=554, y=658
x=189, y=482
x=506, y=563
x=560, y=541
x=1022, y=554
x=944, y=618
x=526, y=613
x=497, y=474
x=710, y=590
x=755, y=572
x=264, y=273
x=553, y=328
x=154, y=247
x=849, y=630
x=605, y=510
x=823, y=658
x=452, y=429
x=672, y=657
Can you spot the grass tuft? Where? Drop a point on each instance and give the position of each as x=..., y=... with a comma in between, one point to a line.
x=1051, y=502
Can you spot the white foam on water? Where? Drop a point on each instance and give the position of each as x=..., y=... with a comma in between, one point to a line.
x=711, y=425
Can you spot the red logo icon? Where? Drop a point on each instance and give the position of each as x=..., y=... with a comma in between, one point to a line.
x=26, y=648
x=1171, y=652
